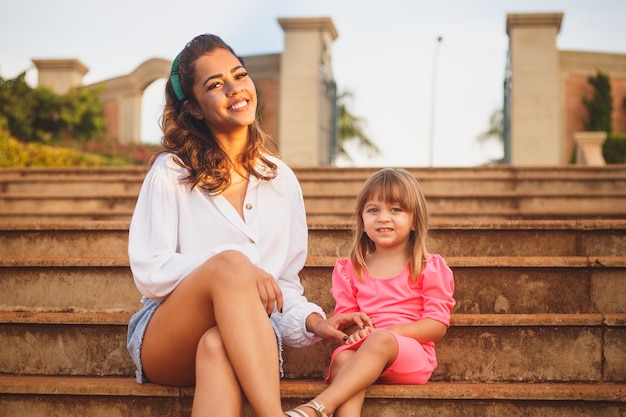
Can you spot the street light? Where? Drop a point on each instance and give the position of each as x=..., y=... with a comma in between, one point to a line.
x=432, y=102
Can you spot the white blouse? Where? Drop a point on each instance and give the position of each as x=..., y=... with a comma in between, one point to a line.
x=175, y=229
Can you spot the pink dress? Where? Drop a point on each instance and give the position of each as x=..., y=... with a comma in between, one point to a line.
x=397, y=300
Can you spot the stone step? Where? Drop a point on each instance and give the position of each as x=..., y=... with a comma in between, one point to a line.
x=498, y=192
x=109, y=239
x=513, y=285
x=484, y=285
x=505, y=205
x=336, y=181
x=40, y=396
x=532, y=348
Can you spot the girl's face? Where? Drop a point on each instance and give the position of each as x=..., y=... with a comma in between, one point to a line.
x=225, y=94
x=387, y=224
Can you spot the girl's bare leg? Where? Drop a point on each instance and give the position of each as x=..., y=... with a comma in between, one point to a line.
x=353, y=406
x=360, y=371
x=221, y=292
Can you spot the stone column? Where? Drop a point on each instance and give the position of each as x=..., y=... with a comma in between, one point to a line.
x=589, y=148
x=535, y=89
x=60, y=75
x=304, y=68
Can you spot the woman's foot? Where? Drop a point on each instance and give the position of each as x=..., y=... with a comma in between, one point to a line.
x=304, y=410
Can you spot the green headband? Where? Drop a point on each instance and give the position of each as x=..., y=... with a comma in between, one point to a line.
x=175, y=80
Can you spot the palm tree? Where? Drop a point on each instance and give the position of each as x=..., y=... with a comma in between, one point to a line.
x=494, y=132
x=351, y=128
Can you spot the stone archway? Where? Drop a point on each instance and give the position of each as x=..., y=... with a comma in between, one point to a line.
x=121, y=99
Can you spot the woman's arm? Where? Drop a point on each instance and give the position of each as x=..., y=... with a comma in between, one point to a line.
x=334, y=327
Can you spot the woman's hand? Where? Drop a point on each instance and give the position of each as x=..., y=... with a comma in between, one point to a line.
x=333, y=327
x=269, y=292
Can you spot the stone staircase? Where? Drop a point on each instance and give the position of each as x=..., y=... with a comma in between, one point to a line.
x=539, y=328
x=482, y=192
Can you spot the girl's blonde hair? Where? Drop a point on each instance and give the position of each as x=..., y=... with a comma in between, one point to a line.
x=397, y=186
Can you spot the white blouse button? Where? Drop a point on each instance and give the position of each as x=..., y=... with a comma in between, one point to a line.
x=248, y=206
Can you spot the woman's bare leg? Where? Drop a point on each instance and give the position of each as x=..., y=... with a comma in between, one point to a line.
x=217, y=389
x=221, y=292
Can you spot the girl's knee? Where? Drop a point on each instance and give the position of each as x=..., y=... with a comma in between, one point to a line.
x=382, y=341
x=341, y=358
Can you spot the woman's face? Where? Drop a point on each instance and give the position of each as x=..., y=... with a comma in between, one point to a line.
x=225, y=94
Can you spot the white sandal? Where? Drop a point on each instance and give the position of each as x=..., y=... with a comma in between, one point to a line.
x=320, y=410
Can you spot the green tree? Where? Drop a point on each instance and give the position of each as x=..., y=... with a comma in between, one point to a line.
x=16, y=106
x=81, y=116
x=600, y=106
x=40, y=115
x=351, y=128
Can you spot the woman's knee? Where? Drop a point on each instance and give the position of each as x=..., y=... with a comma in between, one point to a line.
x=231, y=263
x=226, y=269
x=211, y=346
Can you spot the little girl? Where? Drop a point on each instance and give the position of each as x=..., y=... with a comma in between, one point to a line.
x=406, y=292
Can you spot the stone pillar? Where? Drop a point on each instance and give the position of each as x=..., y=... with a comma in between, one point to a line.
x=535, y=113
x=60, y=75
x=304, y=70
x=589, y=148
x=121, y=101
x=129, y=117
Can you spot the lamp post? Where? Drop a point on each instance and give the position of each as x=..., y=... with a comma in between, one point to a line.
x=432, y=103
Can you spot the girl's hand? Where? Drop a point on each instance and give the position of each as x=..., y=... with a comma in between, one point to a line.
x=269, y=292
x=358, y=335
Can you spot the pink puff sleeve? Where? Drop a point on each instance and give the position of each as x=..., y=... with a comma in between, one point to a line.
x=344, y=290
x=437, y=282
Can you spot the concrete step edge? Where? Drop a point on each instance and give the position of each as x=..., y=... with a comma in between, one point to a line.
x=441, y=224
x=457, y=320
x=333, y=172
x=59, y=262
x=329, y=261
x=128, y=387
x=506, y=261
x=472, y=195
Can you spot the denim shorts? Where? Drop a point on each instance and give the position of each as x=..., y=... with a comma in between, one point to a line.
x=139, y=322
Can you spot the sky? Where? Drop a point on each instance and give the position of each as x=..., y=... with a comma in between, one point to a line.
x=410, y=89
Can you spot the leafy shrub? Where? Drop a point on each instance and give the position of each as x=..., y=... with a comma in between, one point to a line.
x=600, y=105
x=614, y=149
x=16, y=154
x=12, y=152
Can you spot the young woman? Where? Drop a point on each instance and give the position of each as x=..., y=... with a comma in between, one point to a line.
x=216, y=243
x=406, y=291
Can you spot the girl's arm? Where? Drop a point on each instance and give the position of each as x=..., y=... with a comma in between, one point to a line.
x=437, y=290
x=423, y=330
